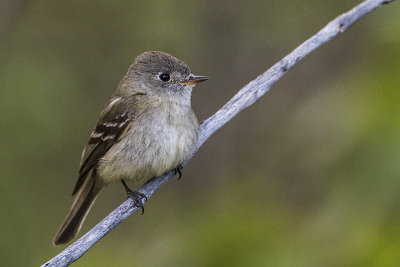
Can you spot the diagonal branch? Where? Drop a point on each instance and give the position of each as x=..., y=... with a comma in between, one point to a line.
x=242, y=100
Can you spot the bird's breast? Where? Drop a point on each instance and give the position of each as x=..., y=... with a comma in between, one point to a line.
x=158, y=141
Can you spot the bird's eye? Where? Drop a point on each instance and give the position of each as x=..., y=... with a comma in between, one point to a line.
x=164, y=77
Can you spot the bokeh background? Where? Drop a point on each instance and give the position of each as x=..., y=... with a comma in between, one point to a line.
x=309, y=175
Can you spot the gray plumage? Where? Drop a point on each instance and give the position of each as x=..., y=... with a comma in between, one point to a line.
x=147, y=128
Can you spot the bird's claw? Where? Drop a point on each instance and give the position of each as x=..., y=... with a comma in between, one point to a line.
x=178, y=170
x=137, y=198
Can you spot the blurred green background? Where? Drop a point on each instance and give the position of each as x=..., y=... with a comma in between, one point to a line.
x=309, y=175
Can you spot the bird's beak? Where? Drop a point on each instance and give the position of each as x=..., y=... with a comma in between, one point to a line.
x=194, y=79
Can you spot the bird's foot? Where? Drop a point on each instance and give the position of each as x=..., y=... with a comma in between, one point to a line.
x=178, y=170
x=136, y=196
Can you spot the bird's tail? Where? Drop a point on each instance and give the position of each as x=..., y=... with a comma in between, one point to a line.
x=80, y=208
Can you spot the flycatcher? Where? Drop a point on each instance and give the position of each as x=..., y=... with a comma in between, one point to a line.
x=147, y=128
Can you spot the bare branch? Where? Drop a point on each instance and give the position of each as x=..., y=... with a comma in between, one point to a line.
x=242, y=100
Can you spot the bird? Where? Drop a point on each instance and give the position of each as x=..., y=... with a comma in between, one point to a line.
x=147, y=128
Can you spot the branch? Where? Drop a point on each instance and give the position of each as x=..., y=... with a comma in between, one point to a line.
x=242, y=100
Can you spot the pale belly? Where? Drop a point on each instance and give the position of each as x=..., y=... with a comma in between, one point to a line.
x=148, y=152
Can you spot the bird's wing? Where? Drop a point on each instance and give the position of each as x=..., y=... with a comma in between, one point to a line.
x=114, y=122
